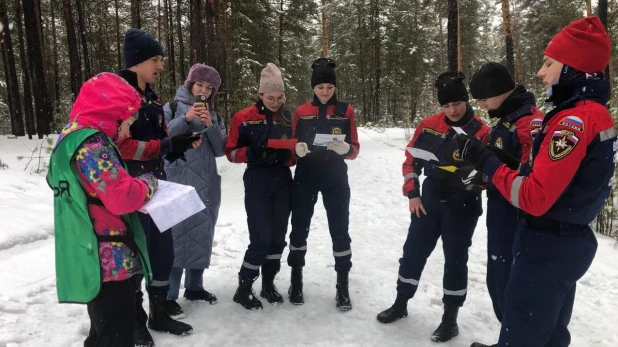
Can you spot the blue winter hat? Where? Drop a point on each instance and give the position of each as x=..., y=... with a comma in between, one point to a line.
x=139, y=46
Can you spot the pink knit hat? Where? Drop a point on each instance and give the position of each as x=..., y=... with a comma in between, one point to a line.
x=271, y=80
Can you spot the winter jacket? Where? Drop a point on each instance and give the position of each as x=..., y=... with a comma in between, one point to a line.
x=193, y=237
x=433, y=135
x=519, y=122
x=334, y=117
x=573, y=159
x=249, y=134
x=148, y=144
x=95, y=198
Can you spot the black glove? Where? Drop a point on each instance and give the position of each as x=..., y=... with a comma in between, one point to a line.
x=173, y=156
x=509, y=160
x=469, y=175
x=181, y=143
x=472, y=150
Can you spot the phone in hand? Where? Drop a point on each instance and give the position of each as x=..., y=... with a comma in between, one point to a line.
x=201, y=100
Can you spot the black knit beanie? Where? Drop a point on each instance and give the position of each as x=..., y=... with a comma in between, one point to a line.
x=139, y=46
x=451, y=87
x=492, y=79
x=323, y=72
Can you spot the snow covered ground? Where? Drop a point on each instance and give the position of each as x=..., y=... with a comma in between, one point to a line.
x=31, y=316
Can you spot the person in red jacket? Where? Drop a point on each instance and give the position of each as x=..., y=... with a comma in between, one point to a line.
x=321, y=168
x=260, y=137
x=560, y=190
x=449, y=207
x=518, y=122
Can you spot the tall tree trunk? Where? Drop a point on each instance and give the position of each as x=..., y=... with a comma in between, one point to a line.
x=324, y=30
x=28, y=112
x=8, y=57
x=519, y=75
x=603, y=17
x=41, y=98
x=135, y=14
x=376, y=55
x=212, y=48
x=459, y=55
x=55, y=43
x=588, y=8
x=506, y=24
x=118, y=50
x=361, y=56
x=74, y=61
x=169, y=43
x=281, y=17
x=452, y=33
x=181, y=44
x=441, y=38
x=82, y=34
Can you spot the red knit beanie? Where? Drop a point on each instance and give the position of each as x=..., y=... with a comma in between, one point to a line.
x=583, y=45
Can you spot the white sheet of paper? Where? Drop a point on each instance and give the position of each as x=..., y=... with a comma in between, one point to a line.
x=422, y=154
x=171, y=204
x=459, y=130
x=325, y=139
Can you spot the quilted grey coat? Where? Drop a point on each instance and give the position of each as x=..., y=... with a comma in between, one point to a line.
x=193, y=237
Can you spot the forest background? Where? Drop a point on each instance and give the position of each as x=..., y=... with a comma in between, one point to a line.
x=388, y=52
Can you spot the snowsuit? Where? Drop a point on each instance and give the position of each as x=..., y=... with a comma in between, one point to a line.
x=95, y=200
x=268, y=184
x=193, y=238
x=326, y=172
x=143, y=153
x=452, y=208
x=560, y=192
x=519, y=123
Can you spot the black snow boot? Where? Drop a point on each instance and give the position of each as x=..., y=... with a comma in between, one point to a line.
x=295, y=293
x=245, y=294
x=478, y=344
x=448, y=328
x=269, y=291
x=159, y=320
x=141, y=335
x=343, y=295
x=195, y=295
x=397, y=311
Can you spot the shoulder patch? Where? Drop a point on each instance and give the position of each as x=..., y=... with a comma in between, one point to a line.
x=561, y=144
x=432, y=131
x=536, y=123
x=573, y=122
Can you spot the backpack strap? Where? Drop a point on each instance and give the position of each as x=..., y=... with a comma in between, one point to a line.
x=173, y=108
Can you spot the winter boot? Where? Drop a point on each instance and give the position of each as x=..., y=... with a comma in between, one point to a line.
x=173, y=309
x=478, y=344
x=448, y=328
x=269, y=291
x=195, y=295
x=343, y=295
x=295, y=293
x=159, y=320
x=397, y=311
x=245, y=294
x=141, y=335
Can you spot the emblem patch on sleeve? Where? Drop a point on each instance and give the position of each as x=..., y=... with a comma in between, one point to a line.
x=535, y=126
x=499, y=143
x=574, y=123
x=561, y=144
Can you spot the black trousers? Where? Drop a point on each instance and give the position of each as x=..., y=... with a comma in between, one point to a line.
x=112, y=314
x=161, y=254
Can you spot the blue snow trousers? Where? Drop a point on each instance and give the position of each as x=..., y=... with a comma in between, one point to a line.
x=267, y=202
x=328, y=175
x=549, y=258
x=454, y=219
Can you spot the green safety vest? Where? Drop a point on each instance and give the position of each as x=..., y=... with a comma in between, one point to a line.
x=78, y=268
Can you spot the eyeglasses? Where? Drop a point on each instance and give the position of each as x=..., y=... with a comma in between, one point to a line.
x=279, y=100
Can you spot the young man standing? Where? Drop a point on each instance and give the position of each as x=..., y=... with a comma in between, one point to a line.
x=143, y=152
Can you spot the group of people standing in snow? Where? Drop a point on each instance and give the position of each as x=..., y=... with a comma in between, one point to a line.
x=121, y=139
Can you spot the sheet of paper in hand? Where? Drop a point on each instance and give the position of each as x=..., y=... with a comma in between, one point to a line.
x=325, y=139
x=422, y=154
x=171, y=204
